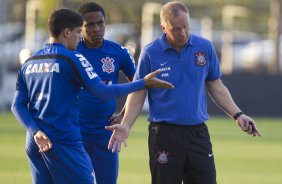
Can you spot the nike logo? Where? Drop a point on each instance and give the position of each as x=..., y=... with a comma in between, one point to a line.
x=162, y=64
x=210, y=155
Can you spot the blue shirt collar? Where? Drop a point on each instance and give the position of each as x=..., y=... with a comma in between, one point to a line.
x=164, y=44
x=54, y=44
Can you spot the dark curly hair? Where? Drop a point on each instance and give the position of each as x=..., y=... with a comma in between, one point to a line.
x=90, y=7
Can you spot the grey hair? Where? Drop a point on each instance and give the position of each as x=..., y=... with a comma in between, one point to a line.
x=172, y=9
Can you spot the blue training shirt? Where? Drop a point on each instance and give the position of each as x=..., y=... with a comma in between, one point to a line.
x=47, y=88
x=188, y=71
x=52, y=78
x=107, y=61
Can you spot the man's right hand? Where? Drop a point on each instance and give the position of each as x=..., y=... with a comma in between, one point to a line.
x=151, y=81
x=42, y=141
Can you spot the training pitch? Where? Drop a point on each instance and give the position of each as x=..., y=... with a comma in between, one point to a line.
x=240, y=158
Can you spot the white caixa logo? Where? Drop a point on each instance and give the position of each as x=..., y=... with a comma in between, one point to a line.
x=42, y=68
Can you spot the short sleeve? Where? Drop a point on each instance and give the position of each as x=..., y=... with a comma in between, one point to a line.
x=143, y=67
x=214, y=66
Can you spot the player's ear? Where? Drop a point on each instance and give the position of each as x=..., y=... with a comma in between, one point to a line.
x=163, y=28
x=67, y=32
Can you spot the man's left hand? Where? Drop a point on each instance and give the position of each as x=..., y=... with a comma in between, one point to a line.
x=115, y=119
x=248, y=125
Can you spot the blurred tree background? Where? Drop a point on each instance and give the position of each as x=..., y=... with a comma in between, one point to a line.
x=247, y=35
x=130, y=11
x=256, y=17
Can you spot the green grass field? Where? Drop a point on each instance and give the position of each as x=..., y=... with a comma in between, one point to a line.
x=240, y=159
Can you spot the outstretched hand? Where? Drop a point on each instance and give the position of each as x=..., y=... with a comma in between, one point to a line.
x=42, y=141
x=151, y=81
x=248, y=125
x=120, y=135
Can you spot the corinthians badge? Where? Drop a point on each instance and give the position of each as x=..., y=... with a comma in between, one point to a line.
x=108, y=65
x=162, y=158
x=201, y=58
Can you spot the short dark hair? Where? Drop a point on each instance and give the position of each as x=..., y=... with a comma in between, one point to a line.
x=63, y=18
x=90, y=7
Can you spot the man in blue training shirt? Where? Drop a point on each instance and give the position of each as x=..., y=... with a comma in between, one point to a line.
x=180, y=149
x=108, y=59
x=45, y=103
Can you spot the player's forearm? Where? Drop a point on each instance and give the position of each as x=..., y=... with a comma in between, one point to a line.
x=19, y=109
x=130, y=79
x=134, y=104
x=104, y=92
x=222, y=97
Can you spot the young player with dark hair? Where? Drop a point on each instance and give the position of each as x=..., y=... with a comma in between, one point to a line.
x=45, y=103
x=108, y=59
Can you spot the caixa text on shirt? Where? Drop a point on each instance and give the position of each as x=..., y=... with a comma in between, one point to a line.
x=42, y=68
x=55, y=67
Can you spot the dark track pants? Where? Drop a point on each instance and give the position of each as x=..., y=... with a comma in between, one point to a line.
x=181, y=154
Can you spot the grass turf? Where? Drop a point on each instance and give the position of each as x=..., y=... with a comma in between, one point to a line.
x=240, y=159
